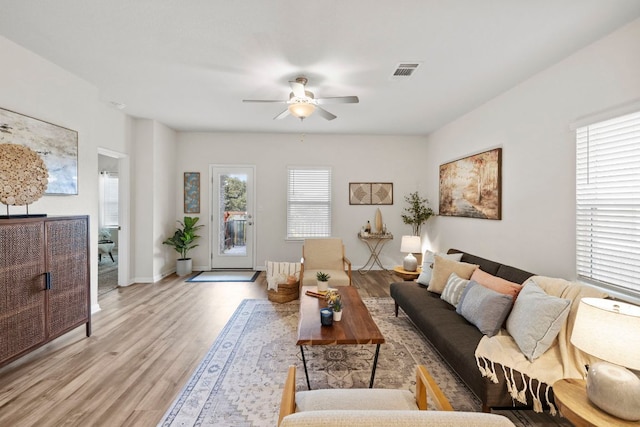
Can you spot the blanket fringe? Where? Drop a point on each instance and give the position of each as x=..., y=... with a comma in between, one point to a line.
x=522, y=394
x=552, y=409
x=486, y=371
x=537, y=404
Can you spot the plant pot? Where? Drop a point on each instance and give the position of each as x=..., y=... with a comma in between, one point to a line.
x=337, y=316
x=183, y=267
x=323, y=286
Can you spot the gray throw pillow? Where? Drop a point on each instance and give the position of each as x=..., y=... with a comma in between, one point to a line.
x=536, y=319
x=484, y=307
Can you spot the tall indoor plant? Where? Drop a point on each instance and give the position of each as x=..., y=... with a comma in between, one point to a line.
x=417, y=213
x=182, y=241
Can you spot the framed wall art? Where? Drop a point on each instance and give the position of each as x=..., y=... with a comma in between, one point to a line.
x=370, y=193
x=472, y=186
x=56, y=145
x=192, y=192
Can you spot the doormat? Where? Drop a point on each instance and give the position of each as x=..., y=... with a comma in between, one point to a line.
x=225, y=276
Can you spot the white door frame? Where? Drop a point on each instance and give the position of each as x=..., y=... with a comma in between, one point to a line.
x=124, y=234
x=214, y=217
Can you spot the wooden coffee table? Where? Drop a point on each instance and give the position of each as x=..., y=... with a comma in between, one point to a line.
x=356, y=326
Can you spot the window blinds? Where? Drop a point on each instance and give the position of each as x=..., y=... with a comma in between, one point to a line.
x=308, y=202
x=109, y=199
x=608, y=202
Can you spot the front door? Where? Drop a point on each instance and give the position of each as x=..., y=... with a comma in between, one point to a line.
x=232, y=222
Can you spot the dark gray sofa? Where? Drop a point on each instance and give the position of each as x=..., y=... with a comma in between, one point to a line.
x=455, y=338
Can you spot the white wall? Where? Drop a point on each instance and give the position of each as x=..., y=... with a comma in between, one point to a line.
x=32, y=86
x=532, y=124
x=352, y=158
x=154, y=213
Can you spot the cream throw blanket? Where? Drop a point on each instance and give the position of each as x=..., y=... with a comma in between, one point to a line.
x=561, y=360
x=277, y=273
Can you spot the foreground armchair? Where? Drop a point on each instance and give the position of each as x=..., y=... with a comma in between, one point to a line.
x=326, y=255
x=376, y=407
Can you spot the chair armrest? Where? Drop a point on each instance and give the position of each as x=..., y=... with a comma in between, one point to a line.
x=425, y=384
x=301, y=271
x=347, y=262
x=288, y=401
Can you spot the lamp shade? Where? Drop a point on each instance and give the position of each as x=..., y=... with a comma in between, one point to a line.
x=301, y=110
x=411, y=244
x=608, y=330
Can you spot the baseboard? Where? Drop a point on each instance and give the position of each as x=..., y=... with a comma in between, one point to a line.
x=95, y=308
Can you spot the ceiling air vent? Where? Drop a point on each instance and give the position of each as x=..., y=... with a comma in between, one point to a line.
x=405, y=70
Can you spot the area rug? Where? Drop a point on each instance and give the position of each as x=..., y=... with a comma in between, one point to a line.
x=107, y=274
x=225, y=276
x=239, y=382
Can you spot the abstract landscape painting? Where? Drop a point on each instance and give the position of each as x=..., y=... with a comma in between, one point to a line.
x=471, y=187
x=57, y=146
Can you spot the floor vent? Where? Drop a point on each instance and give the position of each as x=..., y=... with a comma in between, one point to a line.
x=405, y=70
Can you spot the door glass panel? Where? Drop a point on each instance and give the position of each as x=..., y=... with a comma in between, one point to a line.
x=233, y=215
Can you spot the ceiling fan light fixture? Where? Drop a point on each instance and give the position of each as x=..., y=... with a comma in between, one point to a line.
x=301, y=110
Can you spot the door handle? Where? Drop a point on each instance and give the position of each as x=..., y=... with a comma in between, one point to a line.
x=47, y=280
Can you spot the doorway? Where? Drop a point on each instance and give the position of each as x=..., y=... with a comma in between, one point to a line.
x=113, y=220
x=232, y=219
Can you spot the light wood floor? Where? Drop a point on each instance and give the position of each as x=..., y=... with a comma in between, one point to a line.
x=146, y=341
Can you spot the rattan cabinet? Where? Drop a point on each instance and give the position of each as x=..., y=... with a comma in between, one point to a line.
x=44, y=281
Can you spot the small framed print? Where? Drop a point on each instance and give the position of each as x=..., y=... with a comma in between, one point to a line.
x=192, y=192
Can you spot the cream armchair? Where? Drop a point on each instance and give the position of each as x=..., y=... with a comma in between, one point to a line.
x=326, y=255
x=376, y=407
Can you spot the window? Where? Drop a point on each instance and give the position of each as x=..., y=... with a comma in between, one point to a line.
x=308, y=202
x=608, y=202
x=108, y=199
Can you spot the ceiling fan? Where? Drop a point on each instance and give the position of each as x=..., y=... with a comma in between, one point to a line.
x=302, y=103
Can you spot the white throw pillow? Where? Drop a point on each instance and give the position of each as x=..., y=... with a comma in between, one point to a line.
x=536, y=319
x=427, y=265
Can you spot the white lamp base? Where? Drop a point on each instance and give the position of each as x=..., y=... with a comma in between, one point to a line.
x=615, y=390
x=410, y=263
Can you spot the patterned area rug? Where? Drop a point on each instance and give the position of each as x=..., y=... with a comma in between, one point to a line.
x=107, y=274
x=239, y=382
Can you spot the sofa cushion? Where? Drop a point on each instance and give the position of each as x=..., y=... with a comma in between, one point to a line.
x=453, y=289
x=484, y=307
x=357, y=418
x=496, y=283
x=427, y=265
x=364, y=399
x=442, y=269
x=513, y=274
x=536, y=320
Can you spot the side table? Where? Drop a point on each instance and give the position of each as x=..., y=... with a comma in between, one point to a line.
x=375, y=243
x=570, y=395
x=407, y=275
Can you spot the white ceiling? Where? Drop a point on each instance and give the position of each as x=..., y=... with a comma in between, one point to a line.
x=189, y=63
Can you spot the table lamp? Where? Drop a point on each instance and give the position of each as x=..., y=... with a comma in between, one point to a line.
x=409, y=245
x=610, y=330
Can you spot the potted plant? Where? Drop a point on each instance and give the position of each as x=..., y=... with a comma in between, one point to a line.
x=417, y=213
x=323, y=281
x=334, y=301
x=182, y=241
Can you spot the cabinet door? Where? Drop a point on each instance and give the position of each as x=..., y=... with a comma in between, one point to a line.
x=67, y=264
x=22, y=295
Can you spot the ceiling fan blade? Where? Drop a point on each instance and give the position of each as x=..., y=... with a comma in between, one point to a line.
x=338, y=100
x=264, y=100
x=324, y=113
x=282, y=115
x=298, y=89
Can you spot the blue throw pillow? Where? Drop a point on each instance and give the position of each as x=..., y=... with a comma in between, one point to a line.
x=484, y=307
